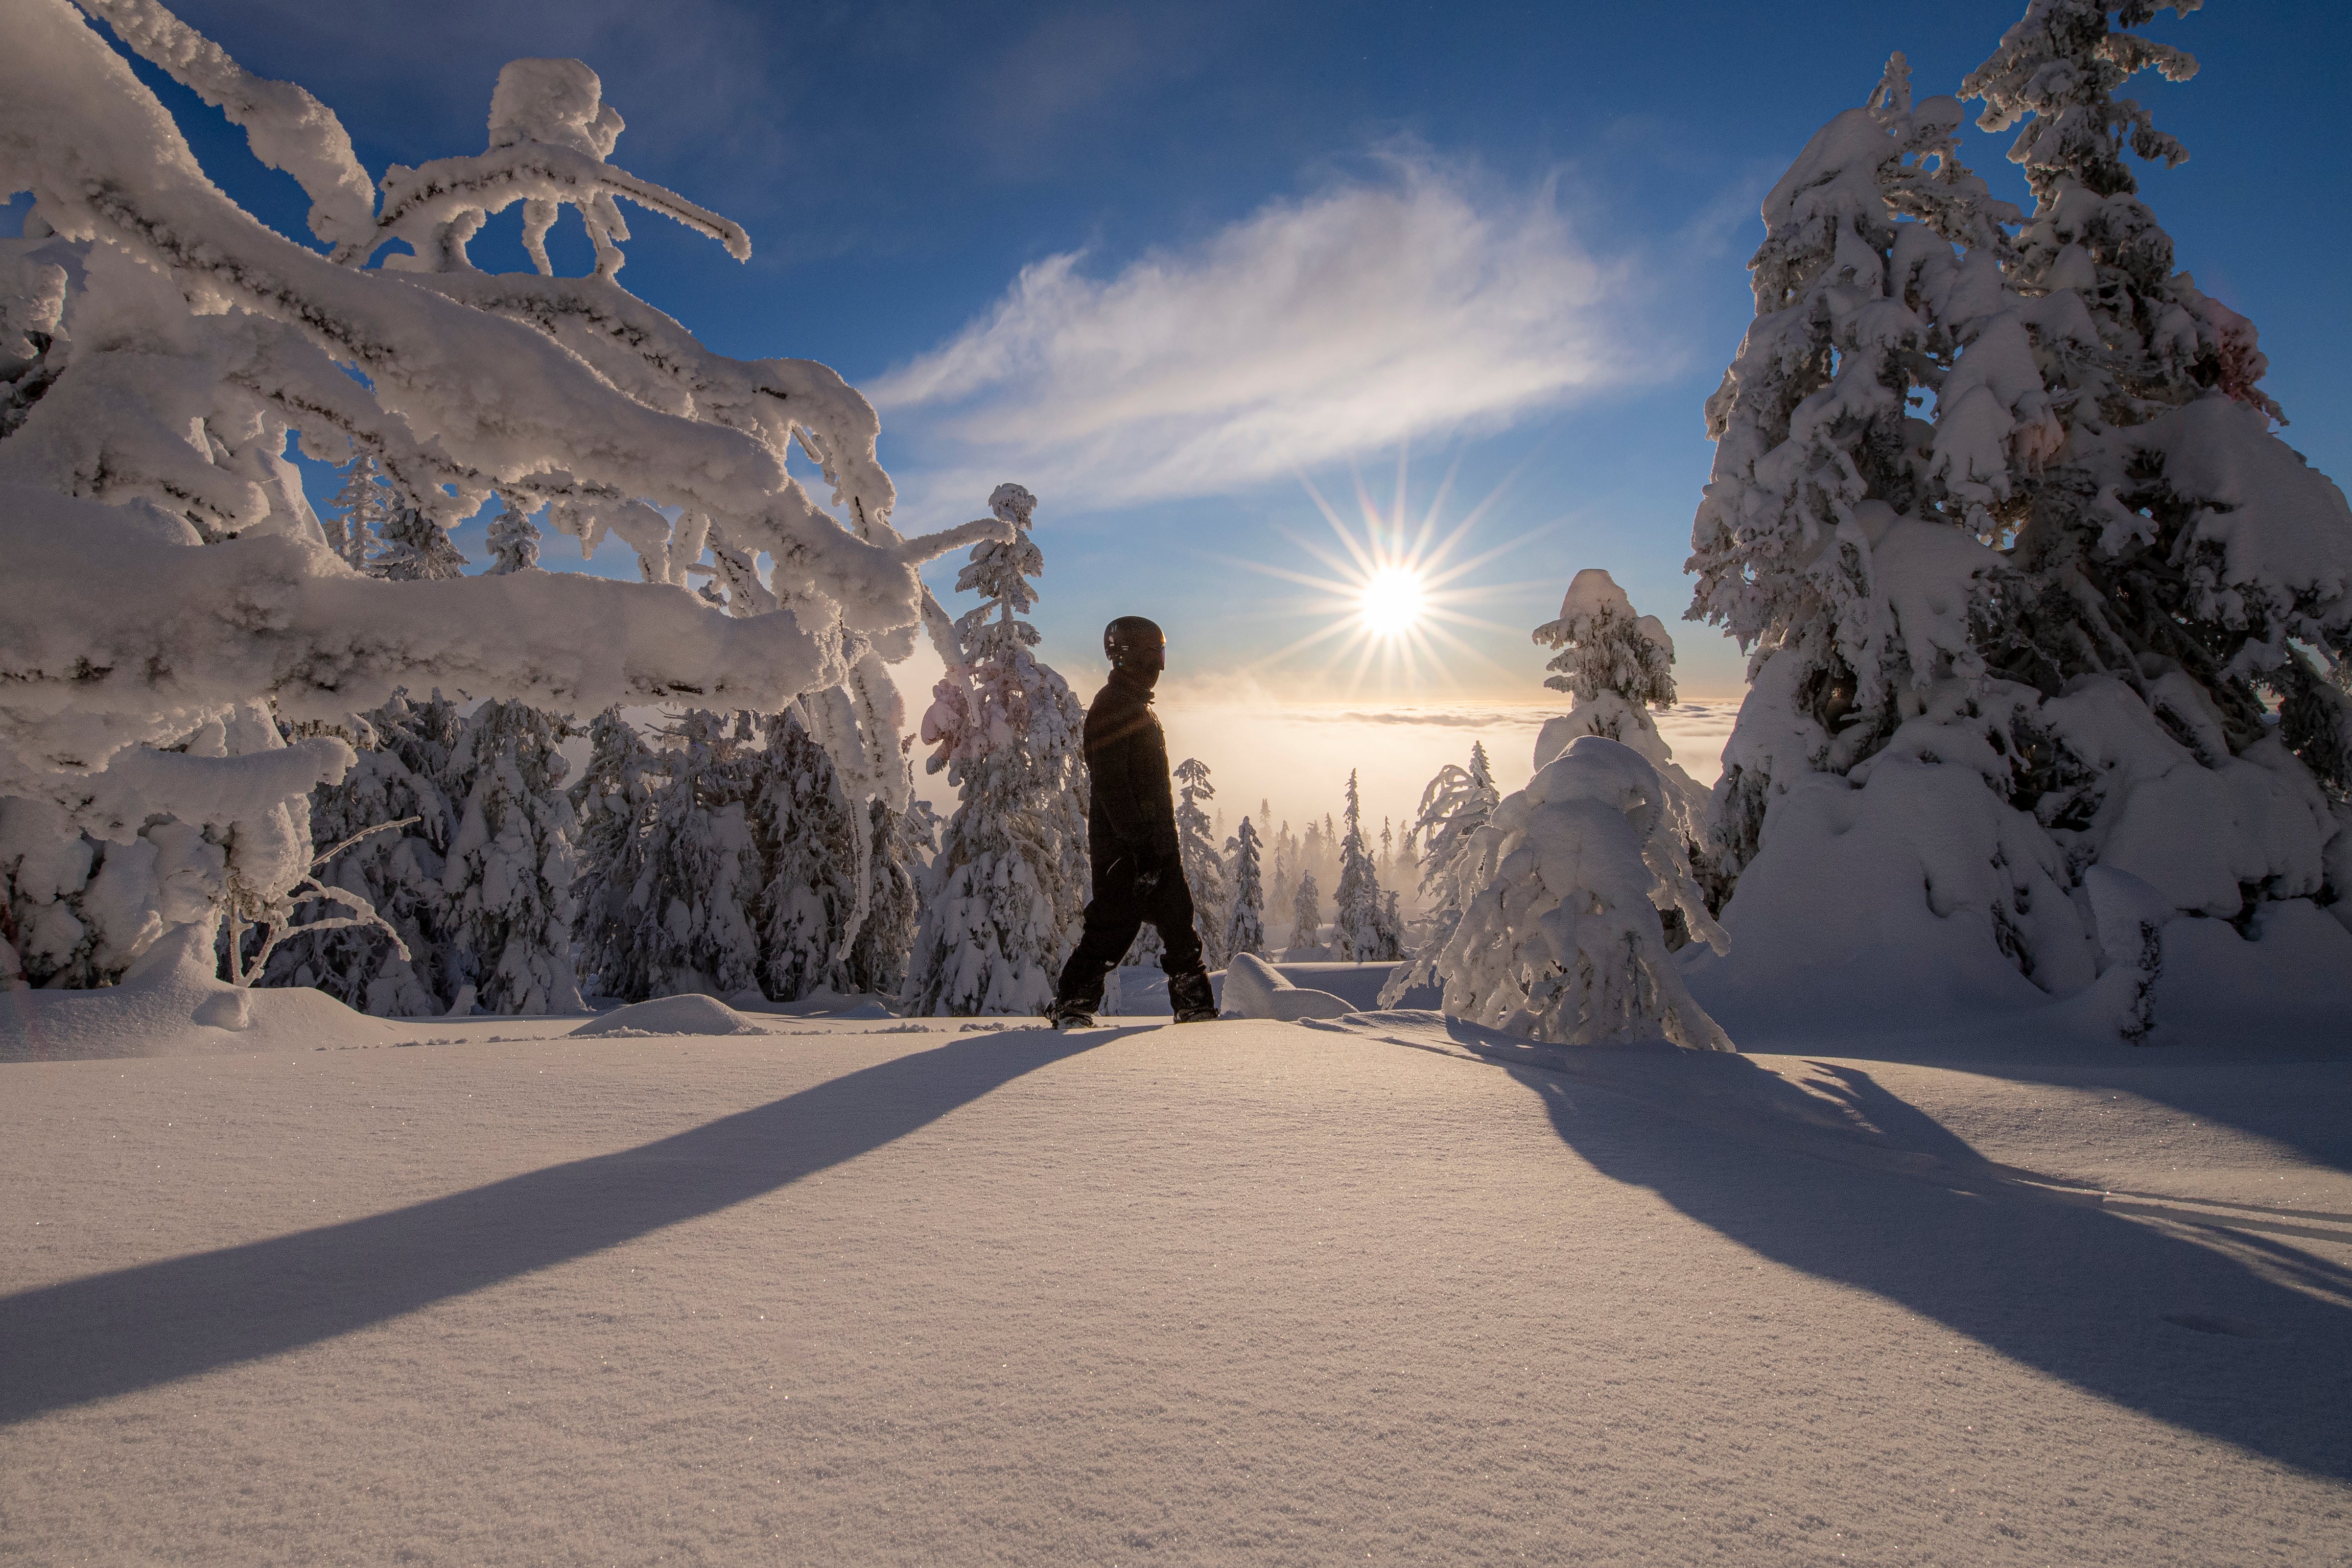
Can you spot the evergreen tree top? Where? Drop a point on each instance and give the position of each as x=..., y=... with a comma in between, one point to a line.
x=1606, y=646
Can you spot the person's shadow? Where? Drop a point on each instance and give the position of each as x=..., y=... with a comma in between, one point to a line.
x=112, y=1334
x=2227, y=1331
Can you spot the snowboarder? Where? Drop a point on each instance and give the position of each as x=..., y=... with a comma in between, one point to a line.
x=1138, y=872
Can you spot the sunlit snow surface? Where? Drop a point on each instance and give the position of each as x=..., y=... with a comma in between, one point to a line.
x=873, y=1291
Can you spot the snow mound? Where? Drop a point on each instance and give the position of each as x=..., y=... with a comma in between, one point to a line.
x=1256, y=989
x=672, y=1014
x=171, y=1004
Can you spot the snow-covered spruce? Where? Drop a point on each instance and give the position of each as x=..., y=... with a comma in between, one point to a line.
x=1559, y=937
x=2092, y=613
x=509, y=873
x=1305, y=918
x=903, y=844
x=1618, y=665
x=1361, y=931
x=1204, y=868
x=1010, y=883
x=1245, y=927
x=160, y=347
x=514, y=537
x=813, y=865
x=1455, y=805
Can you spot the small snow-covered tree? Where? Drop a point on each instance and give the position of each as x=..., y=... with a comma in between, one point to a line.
x=1454, y=806
x=613, y=805
x=1245, y=927
x=159, y=348
x=1010, y=883
x=1559, y=937
x=363, y=509
x=514, y=537
x=509, y=869
x=1307, y=915
x=814, y=866
x=1204, y=868
x=417, y=549
x=1360, y=931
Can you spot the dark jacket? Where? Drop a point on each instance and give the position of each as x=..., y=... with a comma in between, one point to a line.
x=1133, y=813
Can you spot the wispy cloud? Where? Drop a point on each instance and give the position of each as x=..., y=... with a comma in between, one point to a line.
x=1315, y=330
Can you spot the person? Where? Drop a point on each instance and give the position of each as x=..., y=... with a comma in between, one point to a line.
x=1131, y=835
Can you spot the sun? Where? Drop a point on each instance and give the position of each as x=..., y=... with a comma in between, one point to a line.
x=1393, y=601
x=1392, y=590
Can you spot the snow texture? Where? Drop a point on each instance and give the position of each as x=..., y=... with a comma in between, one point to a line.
x=1255, y=989
x=689, y=1014
x=840, y=1296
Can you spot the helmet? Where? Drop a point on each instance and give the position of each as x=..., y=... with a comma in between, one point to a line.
x=1132, y=642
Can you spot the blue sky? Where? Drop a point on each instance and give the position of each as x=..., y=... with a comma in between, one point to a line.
x=1169, y=264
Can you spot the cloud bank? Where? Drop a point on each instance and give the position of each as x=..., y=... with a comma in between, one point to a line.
x=1314, y=330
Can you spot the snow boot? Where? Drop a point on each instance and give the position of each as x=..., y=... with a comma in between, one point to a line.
x=1067, y=1016
x=1191, y=999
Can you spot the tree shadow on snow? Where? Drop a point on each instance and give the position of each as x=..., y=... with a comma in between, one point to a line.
x=113, y=1334
x=2228, y=1333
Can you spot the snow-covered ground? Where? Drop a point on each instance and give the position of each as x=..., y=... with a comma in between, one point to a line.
x=854, y=1291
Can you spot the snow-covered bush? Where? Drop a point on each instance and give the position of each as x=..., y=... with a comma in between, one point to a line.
x=1010, y=884
x=2088, y=583
x=1245, y=927
x=181, y=345
x=1559, y=937
x=1204, y=868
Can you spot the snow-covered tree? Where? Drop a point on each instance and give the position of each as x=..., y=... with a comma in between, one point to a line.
x=509, y=869
x=417, y=549
x=813, y=861
x=1618, y=665
x=1361, y=932
x=2086, y=611
x=356, y=532
x=181, y=343
x=903, y=844
x=514, y=537
x=1454, y=806
x=1010, y=883
x=1204, y=868
x=613, y=805
x=1245, y=927
x=687, y=920
x=1307, y=915
x=407, y=767
x=1559, y=937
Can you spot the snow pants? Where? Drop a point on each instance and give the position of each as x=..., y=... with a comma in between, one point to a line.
x=1118, y=911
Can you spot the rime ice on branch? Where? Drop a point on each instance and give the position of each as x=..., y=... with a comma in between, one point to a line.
x=160, y=347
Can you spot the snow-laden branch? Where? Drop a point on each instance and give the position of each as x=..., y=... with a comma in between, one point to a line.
x=287, y=128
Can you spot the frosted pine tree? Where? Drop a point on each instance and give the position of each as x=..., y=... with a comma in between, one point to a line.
x=417, y=549
x=1204, y=868
x=613, y=804
x=903, y=845
x=812, y=863
x=1010, y=883
x=1618, y=665
x=357, y=533
x=1360, y=931
x=1307, y=916
x=514, y=537
x=1559, y=937
x=2064, y=609
x=1245, y=927
x=509, y=872
x=407, y=767
x=1454, y=806
x=687, y=922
